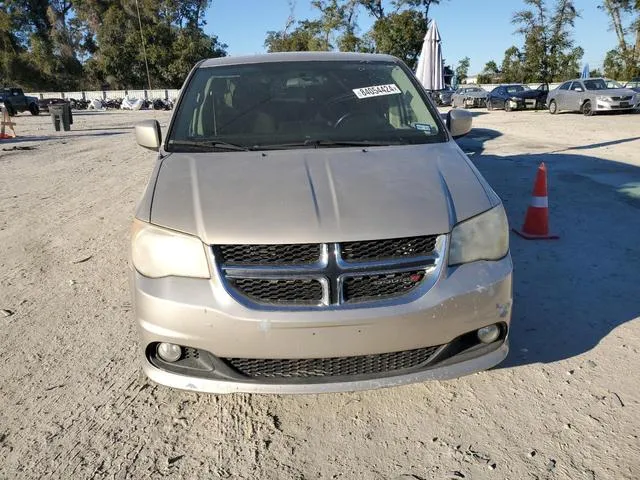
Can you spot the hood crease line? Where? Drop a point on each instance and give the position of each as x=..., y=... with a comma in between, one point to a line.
x=313, y=191
x=334, y=195
x=195, y=192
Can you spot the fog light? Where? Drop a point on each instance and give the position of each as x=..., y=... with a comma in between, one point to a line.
x=489, y=334
x=169, y=352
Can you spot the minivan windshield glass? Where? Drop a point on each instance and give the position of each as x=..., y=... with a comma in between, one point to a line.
x=297, y=104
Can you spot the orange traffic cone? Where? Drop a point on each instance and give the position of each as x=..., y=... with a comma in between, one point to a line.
x=536, y=223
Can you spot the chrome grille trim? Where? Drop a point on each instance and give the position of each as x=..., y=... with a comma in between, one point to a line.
x=331, y=270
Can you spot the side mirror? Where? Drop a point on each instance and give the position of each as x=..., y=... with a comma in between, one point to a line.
x=148, y=134
x=459, y=122
x=578, y=89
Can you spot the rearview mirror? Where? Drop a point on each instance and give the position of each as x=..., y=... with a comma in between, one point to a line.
x=148, y=134
x=459, y=122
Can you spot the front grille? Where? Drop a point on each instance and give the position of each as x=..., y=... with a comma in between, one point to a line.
x=388, y=249
x=475, y=102
x=370, y=287
x=291, y=254
x=624, y=99
x=332, y=367
x=289, y=291
x=324, y=275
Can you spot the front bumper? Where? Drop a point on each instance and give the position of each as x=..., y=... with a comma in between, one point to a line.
x=615, y=106
x=525, y=103
x=474, y=102
x=200, y=314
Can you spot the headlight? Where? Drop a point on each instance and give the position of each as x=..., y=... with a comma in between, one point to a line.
x=484, y=237
x=514, y=99
x=604, y=99
x=158, y=252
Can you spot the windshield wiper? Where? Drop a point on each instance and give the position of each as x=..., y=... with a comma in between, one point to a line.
x=209, y=144
x=327, y=143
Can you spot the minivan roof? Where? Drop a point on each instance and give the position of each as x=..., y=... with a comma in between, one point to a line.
x=298, y=57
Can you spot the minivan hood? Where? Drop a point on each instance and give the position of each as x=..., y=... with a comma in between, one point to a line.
x=318, y=195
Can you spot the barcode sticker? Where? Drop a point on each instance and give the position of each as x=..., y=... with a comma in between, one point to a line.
x=376, y=90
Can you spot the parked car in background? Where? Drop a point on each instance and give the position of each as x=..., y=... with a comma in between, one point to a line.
x=443, y=97
x=517, y=96
x=590, y=96
x=16, y=101
x=469, y=97
x=633, y=85
x=44, y=103
x=312, y=226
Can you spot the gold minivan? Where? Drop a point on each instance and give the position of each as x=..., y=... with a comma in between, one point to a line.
x=312, y=226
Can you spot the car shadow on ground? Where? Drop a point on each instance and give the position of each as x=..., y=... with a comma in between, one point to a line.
x=570, y=293
x=125, y=128
x=602, y=144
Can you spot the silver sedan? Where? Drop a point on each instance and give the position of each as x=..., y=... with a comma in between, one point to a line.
x=592, y=95
x=469, y=97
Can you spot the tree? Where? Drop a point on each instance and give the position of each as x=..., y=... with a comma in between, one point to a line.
x=400, y=34
x=307, y=36
x=624, y=63
x=615, y=65
x=462, y=70
x=490, y=73
x=69, y=44
x=336, y=27
x=547, y=40
x=513, y=66
x=418, y=4
x=172, y=33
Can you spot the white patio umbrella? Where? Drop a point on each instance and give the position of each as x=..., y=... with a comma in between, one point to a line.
x=430, y=71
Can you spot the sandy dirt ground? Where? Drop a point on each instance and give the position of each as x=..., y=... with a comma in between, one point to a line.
x=564, y=405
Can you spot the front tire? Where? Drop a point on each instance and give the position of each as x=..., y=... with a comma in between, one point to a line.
x=507, y=106
x=34, y=109
x=553, y=107
x=587, y=109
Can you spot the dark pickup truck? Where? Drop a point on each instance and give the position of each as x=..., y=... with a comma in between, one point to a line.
x=16, y=101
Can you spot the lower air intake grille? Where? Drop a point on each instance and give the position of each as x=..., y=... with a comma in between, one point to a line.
x=290, y=292
x=332, y=367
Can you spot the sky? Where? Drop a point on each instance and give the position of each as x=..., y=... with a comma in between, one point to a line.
x=480, y=30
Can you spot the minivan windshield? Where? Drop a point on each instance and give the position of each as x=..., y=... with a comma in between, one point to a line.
x=298, y=104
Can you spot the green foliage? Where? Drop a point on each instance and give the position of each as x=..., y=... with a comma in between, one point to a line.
x=307, y=36
x=615, y=65
x=548, y=54
x=513, y=66
x=624, y=62
x=69, y=44
x=400, y=34
x=462, y=70
x=490, y=73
